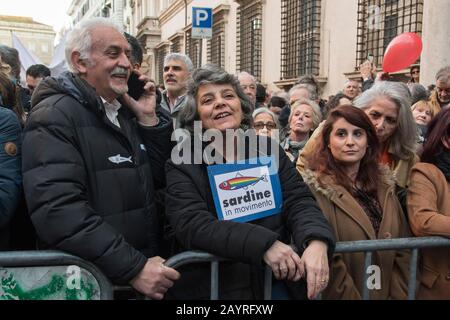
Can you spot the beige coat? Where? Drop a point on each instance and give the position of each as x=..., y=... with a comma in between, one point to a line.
x=350, y=223
x=429, y=215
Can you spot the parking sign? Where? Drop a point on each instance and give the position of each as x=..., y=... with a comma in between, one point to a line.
x=202, y=21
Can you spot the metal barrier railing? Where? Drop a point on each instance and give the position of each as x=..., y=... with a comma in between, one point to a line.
x=413, y=244
x=25, y=259
x=16, y=259
x=366, y=246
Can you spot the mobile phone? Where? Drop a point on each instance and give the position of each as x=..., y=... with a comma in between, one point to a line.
x=370, y=57
x=135, y=86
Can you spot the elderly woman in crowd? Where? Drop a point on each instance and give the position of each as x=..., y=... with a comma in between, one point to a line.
x=264, y=121
x=388, y=106
x=429, y=207
x=423, y=113
x=216, y=99
x=357, y=196
x=304, y=118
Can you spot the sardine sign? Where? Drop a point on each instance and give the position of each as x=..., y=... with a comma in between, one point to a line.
x=245, y=191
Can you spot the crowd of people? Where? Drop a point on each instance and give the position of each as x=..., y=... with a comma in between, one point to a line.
x=87, y=166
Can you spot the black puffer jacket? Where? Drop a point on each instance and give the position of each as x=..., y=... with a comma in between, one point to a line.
x=82, y=197
x=192, y=215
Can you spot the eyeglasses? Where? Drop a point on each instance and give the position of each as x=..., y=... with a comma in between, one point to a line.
x=269, y=125
x=415, y=72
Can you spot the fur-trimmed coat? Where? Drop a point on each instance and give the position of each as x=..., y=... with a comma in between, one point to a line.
x=401, y=168
x=350, y=223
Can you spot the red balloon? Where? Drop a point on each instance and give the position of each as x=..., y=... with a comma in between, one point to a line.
x=402, y=51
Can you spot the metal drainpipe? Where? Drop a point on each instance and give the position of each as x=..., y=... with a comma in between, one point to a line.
x=185, y=13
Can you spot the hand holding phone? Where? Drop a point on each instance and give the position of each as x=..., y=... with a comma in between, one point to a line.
x=135, y=86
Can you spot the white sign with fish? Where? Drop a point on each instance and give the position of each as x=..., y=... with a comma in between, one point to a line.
x=245, y=192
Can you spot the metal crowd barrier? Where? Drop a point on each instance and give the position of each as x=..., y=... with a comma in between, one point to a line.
x=27, y=261
x=413, y=244
x=52, y=272
x=366, y=246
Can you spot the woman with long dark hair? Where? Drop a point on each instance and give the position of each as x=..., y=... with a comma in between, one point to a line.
x=357, y=196
x=428, y=201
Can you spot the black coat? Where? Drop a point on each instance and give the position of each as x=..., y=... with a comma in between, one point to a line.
x=79, y=199
x=192, y=215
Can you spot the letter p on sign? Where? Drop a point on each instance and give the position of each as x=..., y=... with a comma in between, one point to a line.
x=202, y=22
x=200, y=16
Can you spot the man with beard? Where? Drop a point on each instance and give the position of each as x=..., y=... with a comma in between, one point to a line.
x=441, y=95
x=93, y=157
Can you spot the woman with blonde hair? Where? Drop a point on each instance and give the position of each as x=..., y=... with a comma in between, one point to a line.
x=304, y=118
x=423, y=113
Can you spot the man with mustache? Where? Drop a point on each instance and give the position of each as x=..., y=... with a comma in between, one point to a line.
x=93, y=157
x=177, y=70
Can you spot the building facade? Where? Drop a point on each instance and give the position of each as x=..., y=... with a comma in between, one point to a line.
x=278, y=41
x=80, y=10
x=38, y=38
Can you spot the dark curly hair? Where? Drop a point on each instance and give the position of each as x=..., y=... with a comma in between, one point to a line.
x=211, y=74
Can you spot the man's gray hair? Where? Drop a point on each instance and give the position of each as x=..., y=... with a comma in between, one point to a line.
x=443, y=74
x=312, y=93
x=179, y=57
x=347, y=81
x=246, y=74
x=80, y=39
x=403, y=140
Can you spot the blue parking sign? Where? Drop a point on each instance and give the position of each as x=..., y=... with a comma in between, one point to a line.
x=202, y=20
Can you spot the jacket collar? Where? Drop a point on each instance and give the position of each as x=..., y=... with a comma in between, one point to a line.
x=341, y=198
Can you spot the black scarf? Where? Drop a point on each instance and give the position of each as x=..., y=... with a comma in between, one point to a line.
x=442, y=161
